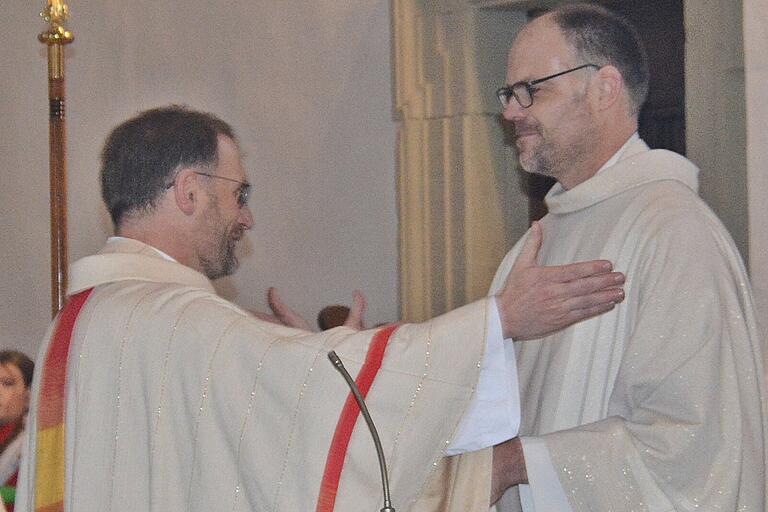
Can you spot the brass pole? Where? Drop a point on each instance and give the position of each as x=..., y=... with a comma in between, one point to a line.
x=55, y=14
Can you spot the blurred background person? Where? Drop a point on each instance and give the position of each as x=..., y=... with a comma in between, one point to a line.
x=332, y=316
x=16, y=371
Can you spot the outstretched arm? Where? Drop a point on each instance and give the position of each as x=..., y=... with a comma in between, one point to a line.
x=535, y=300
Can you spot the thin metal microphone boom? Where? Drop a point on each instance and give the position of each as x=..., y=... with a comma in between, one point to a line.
x=376, y=441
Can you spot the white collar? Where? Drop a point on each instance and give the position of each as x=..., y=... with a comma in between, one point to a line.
x=125, y=259
x=636, y=166
x=114, y=239
x=620, y=153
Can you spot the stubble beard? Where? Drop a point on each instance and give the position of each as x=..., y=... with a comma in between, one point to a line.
x=225, y=262
x=532, y=154
x=218, y=258
x=544, y=156
x=537, y=156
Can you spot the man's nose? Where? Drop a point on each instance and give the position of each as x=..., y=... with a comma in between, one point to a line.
x=513, y=110
x=246, y=217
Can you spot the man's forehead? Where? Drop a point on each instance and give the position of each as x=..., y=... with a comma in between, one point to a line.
x=230, y=157
x=226, y=143
x=228, y=146
x=539, y=49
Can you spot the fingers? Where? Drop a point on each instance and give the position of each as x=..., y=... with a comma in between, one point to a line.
x=593, y=283
x=359, y=304
x=277, y=306
x=599, y=291
x=603, y=297
x=286, y=315
x=582, y=269
x=273, y=299
x=530, y=250
x=583, y=314
x=355, y=318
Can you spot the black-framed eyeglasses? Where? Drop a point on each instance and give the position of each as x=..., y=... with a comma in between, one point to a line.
x=523, y=92
x=242, y=192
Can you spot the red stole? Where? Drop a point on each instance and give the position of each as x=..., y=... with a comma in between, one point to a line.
x=338, y=451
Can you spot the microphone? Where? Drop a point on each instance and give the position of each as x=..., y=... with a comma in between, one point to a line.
x=376, y=441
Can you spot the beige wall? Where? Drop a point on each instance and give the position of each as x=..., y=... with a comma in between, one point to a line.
x=756, y=64
x=461, y=203
x=715, y=110
x=305, y=84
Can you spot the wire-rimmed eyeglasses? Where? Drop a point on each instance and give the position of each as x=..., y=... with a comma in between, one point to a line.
x=242, y=192
x=523, y=92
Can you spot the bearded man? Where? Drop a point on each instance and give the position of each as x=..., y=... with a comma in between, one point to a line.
x=155, y=394
x=659, y=404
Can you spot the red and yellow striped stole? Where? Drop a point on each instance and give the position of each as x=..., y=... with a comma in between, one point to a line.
x=49, y=468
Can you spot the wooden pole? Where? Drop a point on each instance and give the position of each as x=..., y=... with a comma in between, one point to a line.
x=56, y=37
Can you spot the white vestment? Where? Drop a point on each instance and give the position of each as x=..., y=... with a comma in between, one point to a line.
x=178, y=400
x=659, y=404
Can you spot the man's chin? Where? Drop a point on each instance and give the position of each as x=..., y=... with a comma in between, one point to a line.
x=224, y=266
x=526, y=162
x=535, y=166
x=224, y=272
x=526, y=150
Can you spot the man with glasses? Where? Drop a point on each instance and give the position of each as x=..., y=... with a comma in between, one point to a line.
x=155, y=394
x=659, y=404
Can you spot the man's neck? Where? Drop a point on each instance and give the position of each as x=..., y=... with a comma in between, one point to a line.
x=163, y=242
x=603, y=154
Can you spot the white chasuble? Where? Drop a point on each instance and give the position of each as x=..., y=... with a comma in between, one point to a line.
x=177, y=400
x=658, y=405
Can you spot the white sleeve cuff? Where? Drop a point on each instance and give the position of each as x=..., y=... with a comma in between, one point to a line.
x=494, y=413
x=544, y=491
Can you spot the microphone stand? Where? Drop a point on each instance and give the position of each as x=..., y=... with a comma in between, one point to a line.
x=376, y=441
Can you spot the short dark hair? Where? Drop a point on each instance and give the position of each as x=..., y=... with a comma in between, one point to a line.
x=20, y=361
x=141, y=155
x=602, y=37
x=332, y=316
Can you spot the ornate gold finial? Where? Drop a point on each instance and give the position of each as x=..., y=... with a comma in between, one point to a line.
x=55, y=14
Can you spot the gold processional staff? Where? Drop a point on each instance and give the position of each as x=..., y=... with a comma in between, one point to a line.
x=55, y=14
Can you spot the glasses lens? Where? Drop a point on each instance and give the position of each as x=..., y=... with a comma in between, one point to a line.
x=522, y=94
x=242, y=195
x=505, y=95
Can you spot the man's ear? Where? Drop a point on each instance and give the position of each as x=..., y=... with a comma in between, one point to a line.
x=609, y=86
x=186, y=191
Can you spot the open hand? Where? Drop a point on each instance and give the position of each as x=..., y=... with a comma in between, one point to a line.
x=536, y=301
